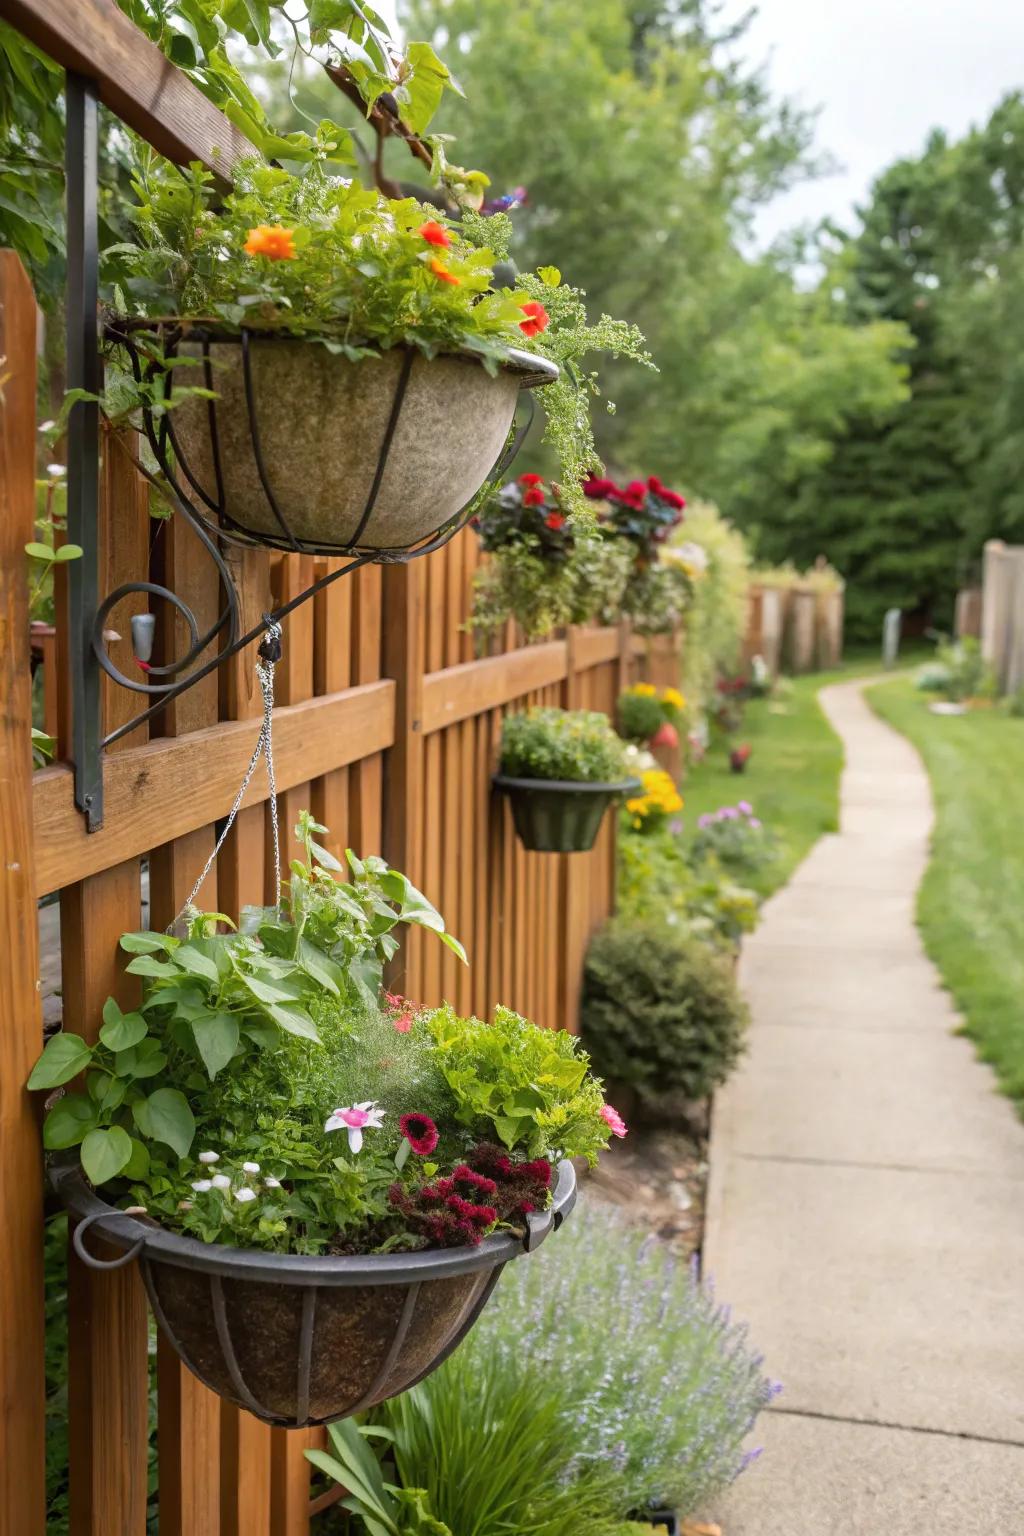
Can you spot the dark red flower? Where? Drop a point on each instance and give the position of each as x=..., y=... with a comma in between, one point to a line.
x=672, y=498
x=536, y=318
x=534, y=497
x=555, y=520
x=654, y=484
x=531, y=479
x=420, y=1132
x=468, y=1183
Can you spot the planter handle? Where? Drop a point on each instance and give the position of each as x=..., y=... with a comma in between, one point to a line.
x=540, y=1223
x=89, y=1259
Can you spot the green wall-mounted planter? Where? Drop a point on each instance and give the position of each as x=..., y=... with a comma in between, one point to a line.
x=559, y=816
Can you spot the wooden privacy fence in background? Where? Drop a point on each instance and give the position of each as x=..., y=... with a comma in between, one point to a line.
x=387, y=727
x=795, y=629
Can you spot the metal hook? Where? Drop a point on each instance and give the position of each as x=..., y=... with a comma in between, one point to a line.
x=89, y=1259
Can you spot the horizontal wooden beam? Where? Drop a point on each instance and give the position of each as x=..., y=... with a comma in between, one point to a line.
x=474, y=687
x=133, y=78
x=171, y=786
x=591, y=647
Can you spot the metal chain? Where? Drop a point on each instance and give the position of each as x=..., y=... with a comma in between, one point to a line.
x=270, y=655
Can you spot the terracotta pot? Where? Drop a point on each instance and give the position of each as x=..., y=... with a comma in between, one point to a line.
x=324, y=431
x=558, y=816
x=299, y=1340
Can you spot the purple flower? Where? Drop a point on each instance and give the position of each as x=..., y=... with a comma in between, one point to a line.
x=745, y=806
x=704, y=821
x=754, y=822
x=730, y=813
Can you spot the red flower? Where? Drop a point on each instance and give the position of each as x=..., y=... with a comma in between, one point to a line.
x=598, y=489
x=613, y=1120
x=555, y=520
x=671, y=498
x=665, y=736
x=654, y=484
x=534, y=497
x=434, y=233
x=420, y=1132
x=536, y=318
x=402, y=1011
x=531, y=479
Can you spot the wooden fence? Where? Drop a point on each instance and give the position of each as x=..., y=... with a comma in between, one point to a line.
x=795, y=629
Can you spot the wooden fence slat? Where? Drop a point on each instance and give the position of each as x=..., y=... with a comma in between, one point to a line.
x=403, y=659
x=22, y=1421
x=108, y=1334
x=135, y=80
x=367, y=778
x=188, y=1417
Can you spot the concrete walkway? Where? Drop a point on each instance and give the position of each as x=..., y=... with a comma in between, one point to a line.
x=866, y=1205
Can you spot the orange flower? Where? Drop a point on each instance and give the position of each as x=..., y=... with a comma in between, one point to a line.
x=440, y=270
x=434, y=233
x=537, y=318
x=271, y=240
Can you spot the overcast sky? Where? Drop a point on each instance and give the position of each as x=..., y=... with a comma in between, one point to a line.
x=883, y=72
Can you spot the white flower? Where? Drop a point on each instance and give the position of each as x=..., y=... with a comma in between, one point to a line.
x=56, y=469
x=209, y=1157
x=272, y=1183
x=221, y=1181
x=202, y=1185
x=250, y=1167
x=355, y=1119
x=245, y=1194
x=46, y=426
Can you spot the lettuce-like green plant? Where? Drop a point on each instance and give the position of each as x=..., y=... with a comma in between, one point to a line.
x=576, y=745
x=529, y=1087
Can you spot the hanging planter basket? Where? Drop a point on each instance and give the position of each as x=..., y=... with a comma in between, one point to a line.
x=298, y=1340
x=662, y=1519
x=305, y=449
x=557, y=815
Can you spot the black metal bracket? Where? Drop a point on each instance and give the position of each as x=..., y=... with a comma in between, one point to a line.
x=147, y=344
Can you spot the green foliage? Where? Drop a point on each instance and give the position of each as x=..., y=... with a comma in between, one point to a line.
x=958, y=672
x=383, y=1509
x=734, y=838
x=970, y=906
x=661, y=1012
x=715, y=621
x=544, y=1408
x=563, y=744
x=527, y=1086
x=640, y=712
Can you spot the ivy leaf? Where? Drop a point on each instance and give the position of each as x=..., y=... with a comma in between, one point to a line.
x=105, y=1153
x=122, y=1033
x=63, y=1058
x=170, y=1120
x=71, y=1118
x=216, y=1037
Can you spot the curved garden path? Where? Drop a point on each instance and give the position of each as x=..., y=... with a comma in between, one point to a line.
x=866, y=1206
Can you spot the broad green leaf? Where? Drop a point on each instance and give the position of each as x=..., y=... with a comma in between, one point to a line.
x=216, y=1037
x=148, y=943
x=454, y=945
x=105, y=1153
x=145, y=965
x=137, y=1165
x=123, y=1032
x=40, y=551
x=295, y=1021
x=424, y=88
x=195, y=962
x=71, y=1118
x=318, y=965
x=64, y=1056
x=170, y=1119
x=269, y=991
x=326, y=859
x=68, y=552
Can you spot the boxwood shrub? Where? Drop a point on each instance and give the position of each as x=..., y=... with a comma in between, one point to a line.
x=661, y=1012
x=569, y=744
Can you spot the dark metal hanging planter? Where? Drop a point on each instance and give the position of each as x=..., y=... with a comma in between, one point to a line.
x=662, y=1519
x=299, y=1340
x=560, y=816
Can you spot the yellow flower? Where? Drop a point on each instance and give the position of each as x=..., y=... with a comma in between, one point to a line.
x=673, y=698
x=646, y=690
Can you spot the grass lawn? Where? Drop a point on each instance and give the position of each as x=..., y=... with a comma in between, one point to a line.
x=791, y=778
x=971, y=903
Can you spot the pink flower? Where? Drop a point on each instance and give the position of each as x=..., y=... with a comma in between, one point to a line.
x=354, y=1119
x=613, y=1120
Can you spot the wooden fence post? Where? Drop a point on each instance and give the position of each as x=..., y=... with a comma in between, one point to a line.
x=22, y=1477
x=404, y=660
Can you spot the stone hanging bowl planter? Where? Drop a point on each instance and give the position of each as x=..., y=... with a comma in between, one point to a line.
x=304, y=448
x=560, y=816
x=297, y=1340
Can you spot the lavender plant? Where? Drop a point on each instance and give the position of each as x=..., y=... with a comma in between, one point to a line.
x=647, y=1387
